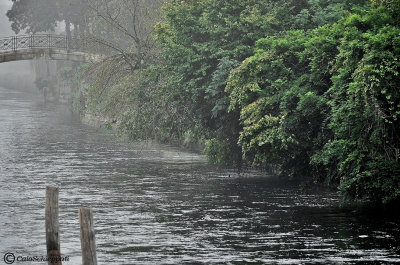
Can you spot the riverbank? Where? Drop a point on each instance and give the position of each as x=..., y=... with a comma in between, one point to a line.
x=100, y=121
x=303, y=185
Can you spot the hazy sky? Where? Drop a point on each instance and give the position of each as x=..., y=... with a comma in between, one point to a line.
x=5, y=28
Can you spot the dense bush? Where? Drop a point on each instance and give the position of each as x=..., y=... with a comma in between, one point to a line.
x=307, y=88
x=365, y=107
x=326, y=103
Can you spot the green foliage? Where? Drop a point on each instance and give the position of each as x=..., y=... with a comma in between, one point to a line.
x=218, y=82
x=325, y=102
x=202, y=41
x=316, y=13
x=218, y=152
x=308, y=88
x=364, y=154
x=76, y=76
x=182, y=96
x=282, y=109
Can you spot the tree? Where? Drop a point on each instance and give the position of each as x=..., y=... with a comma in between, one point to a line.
x=363, y=156
x=201, y=42
x=279, y=92
x=125, y=29
x=74, y=12
x=316, y=13
x=43, y=15
x=125, y=87
x=33, y=16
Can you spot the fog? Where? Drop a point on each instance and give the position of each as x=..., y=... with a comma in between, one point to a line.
x=15, y=75
x=5, y=28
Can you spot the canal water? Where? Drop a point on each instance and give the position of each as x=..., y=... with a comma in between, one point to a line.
x=156, y=204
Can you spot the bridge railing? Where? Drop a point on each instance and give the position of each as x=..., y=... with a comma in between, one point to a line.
x=49, y=41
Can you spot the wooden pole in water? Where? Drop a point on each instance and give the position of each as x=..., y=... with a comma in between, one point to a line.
x=52, y=227
x=88, y=243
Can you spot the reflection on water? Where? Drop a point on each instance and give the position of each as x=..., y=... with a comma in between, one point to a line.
x=158, y=205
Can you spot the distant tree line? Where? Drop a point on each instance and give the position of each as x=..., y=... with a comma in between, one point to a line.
x=308, y=89
x=43, y=15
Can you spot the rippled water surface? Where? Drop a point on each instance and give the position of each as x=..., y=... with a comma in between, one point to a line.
x=158, y=205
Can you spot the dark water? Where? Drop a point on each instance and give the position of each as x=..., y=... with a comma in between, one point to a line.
x=158, y=205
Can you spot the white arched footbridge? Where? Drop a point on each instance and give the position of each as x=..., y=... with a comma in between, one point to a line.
x=54, y=47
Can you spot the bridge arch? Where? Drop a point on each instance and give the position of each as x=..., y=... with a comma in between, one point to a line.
x=54, y=47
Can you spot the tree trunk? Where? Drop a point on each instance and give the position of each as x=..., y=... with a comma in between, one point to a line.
x=68, y=28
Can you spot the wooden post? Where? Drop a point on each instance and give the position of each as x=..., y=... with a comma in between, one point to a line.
x=88, y=243
x=52, y=227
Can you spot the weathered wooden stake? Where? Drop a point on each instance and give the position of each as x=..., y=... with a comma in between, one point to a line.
x=88, y=243
x=52, y=227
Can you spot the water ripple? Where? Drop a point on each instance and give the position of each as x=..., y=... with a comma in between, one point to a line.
x=158, y=205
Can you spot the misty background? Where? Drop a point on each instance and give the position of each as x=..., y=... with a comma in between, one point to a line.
x=14, y=75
